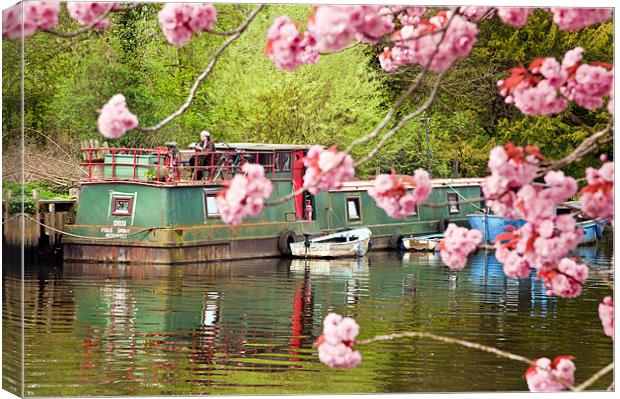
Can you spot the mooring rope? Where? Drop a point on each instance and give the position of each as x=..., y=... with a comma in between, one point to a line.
x=81, y=236
x=9, y=219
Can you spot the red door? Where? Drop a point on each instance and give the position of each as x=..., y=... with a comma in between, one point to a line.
x=298, y=181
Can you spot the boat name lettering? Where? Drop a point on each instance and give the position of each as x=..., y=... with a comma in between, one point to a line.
x=119, y=223
x=115, y=235
x=106, y=229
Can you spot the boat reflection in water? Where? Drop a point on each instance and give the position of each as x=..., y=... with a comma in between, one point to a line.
x=332, y=267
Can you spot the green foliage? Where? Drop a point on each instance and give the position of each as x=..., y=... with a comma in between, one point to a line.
x=44, y=190
x=150, y=174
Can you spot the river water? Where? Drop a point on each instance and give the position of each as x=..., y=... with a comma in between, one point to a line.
x=248, y=327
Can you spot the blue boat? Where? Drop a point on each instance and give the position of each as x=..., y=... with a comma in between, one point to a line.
x=592, y=231
x=495, y=225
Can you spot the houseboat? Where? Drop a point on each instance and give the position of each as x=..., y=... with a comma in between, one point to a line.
x=148, y=206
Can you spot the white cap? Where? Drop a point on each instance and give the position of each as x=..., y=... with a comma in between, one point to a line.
x=205, y=133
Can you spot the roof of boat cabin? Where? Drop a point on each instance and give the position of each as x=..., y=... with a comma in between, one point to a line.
x=362, y=185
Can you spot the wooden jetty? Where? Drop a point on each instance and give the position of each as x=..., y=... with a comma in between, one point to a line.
x=43, y=228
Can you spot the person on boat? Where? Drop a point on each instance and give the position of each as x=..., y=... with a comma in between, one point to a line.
x=205, y=150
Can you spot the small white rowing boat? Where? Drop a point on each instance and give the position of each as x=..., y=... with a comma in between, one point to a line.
x=427, y=243
x=345, y=243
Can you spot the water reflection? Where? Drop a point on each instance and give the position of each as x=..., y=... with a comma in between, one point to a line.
x=249, y=327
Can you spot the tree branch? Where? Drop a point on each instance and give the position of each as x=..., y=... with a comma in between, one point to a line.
x=204, y=74
x=588, y=145
x=595, y=377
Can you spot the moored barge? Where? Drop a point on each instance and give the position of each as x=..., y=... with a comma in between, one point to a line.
x=143, y=206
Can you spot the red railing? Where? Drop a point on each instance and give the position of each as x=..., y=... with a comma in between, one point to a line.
x=165, y=165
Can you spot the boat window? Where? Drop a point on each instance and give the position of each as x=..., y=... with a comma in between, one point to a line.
x=211, y=206
x=453, y=203
x=414, y=212
x=353, y=208
x=285, y=161
x=276, y=162
x=265, y=159
x=121, y=206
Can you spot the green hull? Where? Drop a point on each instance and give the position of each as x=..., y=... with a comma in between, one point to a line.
x=169, y=224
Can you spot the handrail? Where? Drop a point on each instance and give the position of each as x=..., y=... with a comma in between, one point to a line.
x=126, y=163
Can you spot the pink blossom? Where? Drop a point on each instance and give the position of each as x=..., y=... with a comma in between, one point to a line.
x=336, y=343
x=542, y=245
x=545, y=252
x=474, y=14
x=536, y=203
x=86, y=13
x=36, y=14
x=287, y=48
x=597, y=198
x=572, y=19
x=542, y=99
x=546, y=85
x=336, y=27
x=410, y=15
x=572, y=58
x=426, y=45
x=515, y=16
x=457, y=244
x=115, y=119
x=552, y=70
x=390, y=192
x=540, y=377
x=511, y=168
x=386, y=61
x=179, y=21
x=371, y=25
x=245, y=195
x=565, y=281
x=515, y=265
x=606, y=314
x=590, y=85
x=326, y=169
x=331, y=25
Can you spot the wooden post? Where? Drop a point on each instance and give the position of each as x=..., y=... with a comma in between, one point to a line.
x=32, y=231
x=7, y=213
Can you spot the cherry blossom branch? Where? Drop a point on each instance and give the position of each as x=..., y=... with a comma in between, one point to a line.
x=94, y=23
x=402, y=122
x=595, y=377
x=587, y=145
x=467, y=344
x=205, y=73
